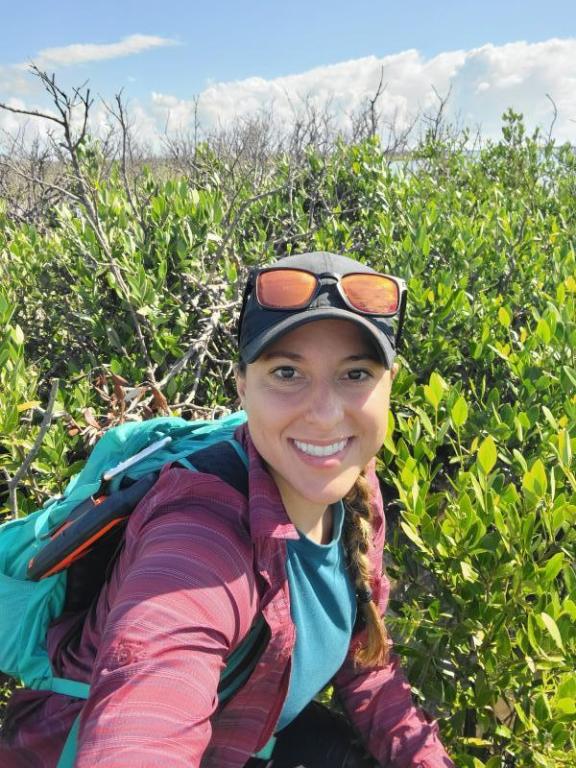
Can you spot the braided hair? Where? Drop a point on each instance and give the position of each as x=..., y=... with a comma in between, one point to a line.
x=357, y=533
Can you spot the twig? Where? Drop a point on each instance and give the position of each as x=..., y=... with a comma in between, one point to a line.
x=48, y=184
x=200, y=347
x=121, y=117
x=85, y=195
x=374, y=117
x=554, y=117
x=30, y=112
x=246, y=204
x=44, y=427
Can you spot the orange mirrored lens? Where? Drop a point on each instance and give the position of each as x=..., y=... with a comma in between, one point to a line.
x=285, y=288
x=375, y=294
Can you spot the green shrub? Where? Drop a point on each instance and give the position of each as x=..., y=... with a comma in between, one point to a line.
x=477, y=466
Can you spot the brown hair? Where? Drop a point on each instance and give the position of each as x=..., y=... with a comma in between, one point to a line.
x=357, y=534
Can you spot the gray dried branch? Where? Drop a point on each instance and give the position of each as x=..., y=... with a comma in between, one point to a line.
x=86, y=195
x=22, y=471
x=198, y=349
x=120, y=115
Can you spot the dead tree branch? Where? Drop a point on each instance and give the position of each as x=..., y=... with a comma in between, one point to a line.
x=199, y=348
x=44, y=427
x=86, y=194
x=554, y=117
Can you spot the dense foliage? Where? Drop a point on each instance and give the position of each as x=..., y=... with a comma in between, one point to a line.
x=477, y=466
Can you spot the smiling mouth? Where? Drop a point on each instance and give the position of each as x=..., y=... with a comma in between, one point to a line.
x=321, y=450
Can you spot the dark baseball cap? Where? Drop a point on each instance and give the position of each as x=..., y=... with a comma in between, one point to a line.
x=259, y=327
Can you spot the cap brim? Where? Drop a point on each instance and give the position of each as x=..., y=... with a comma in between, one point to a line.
x=382, y=343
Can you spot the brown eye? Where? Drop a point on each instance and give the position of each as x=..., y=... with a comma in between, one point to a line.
x=286, y=373
x=358, y=374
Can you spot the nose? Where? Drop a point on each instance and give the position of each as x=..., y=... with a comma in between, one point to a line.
x=325, y=407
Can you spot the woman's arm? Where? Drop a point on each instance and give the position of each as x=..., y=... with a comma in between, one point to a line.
x=179, y=599
x=379, y=704
x=378, y=701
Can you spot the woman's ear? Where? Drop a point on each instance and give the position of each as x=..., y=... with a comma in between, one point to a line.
x=394, y=370
x=240, y=379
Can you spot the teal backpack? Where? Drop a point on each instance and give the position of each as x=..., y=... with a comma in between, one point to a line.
x=40, y=553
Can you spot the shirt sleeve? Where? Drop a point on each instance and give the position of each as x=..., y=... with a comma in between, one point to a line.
x=378, y=700
x=180, y=601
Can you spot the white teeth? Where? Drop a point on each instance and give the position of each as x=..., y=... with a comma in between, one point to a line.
x=320, y=450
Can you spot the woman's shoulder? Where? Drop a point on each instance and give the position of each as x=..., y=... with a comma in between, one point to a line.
x=193, y=505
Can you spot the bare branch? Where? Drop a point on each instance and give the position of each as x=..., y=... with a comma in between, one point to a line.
x=246, y=204
x=44, y=427
x=436, y=120
x=199, y=348
x=374, y=117
x=31, y=112
x=554, y=117
x=47, y=184
x=120, y=115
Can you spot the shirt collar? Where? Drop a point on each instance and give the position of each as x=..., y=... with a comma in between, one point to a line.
x=268, y=518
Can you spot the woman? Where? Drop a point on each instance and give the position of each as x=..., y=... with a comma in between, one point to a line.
x=202, y=562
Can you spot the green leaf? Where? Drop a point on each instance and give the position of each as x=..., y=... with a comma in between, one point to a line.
x=438, y=385
x=459, y=412
x=431, y=397
x=487, y=454
x=553, y=567
x=565, y=706
x=413, y=536
x=520, y=459
x=504, y=317
x=532, y=628
x=17, y=335
x=567, y=687
x=553, y=630
x=468, y=571
x=542, y=708
x=549, y=417
x=565, y=447
x=535, y=480
x=543, y=331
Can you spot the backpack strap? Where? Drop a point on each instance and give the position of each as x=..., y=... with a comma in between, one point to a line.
x=68, y=754
x=227, y=460
x=241, y=662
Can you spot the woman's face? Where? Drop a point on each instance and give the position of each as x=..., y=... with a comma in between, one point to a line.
x=317, y=402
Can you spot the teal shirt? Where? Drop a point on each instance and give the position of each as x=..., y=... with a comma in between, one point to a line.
x=323, y=609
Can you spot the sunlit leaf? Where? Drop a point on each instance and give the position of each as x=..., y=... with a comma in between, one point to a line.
x=487, y=454
x=459, y=412
x=553, y=630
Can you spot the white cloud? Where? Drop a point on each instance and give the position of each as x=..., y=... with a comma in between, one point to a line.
x=522, y=76
x=342, y=88
x=80, y=53
x=17, y=83
x=483, y=83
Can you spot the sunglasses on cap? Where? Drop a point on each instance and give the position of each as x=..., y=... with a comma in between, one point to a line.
x=292, y=289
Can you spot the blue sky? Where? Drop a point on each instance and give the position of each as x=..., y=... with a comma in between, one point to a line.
x=240, y=55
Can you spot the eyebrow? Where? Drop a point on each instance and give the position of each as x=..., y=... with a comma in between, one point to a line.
x=298, y=358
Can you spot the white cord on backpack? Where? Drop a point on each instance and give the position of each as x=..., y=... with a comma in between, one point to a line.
x=110, y=473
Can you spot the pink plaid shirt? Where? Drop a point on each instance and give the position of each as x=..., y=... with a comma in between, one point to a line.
x=199, y=563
